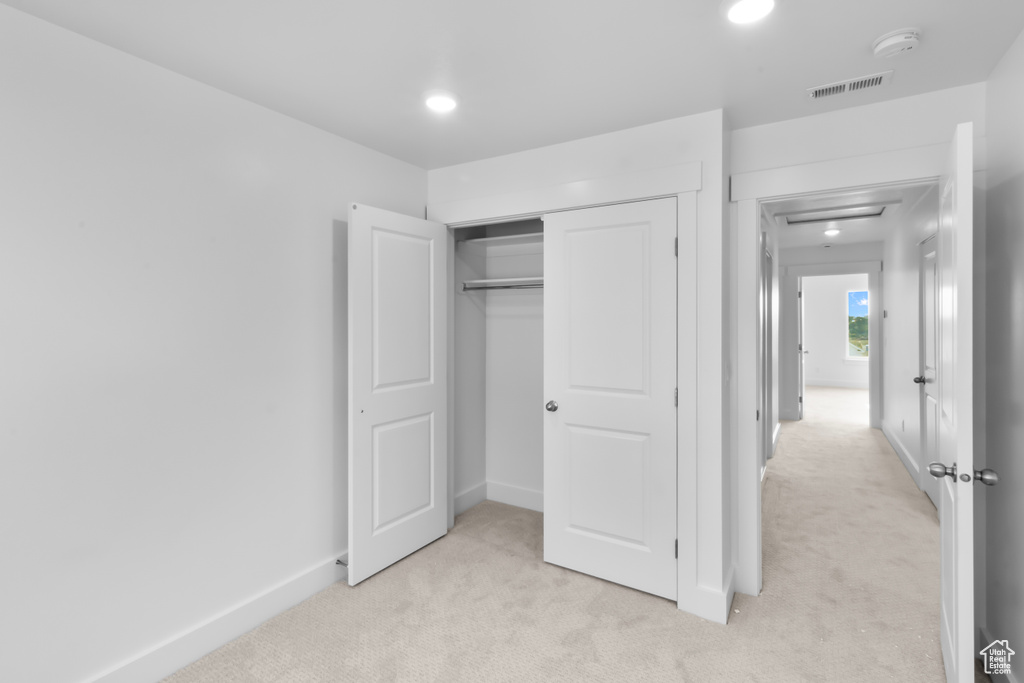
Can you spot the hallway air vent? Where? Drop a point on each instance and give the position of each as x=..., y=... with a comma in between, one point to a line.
x=851, y=85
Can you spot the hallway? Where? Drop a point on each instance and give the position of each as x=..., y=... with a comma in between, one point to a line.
x=851, y=546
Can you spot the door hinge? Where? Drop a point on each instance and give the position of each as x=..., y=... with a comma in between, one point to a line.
x=758, y=415
x=799, y=295
x=677, y=397
x=800, y=399
x=677, y=548
x=885, y=314
x=677, y=246
x=799, y=347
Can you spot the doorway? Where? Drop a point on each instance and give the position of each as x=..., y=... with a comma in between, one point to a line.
x=951, y=219
x=834, y=350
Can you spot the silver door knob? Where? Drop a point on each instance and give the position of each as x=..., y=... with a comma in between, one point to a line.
x=552, y=406
x=938, y=470
x=986, y=476
x=919, y=380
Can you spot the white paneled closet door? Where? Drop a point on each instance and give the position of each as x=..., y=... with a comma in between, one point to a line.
x=609, y=382
x=398, y=433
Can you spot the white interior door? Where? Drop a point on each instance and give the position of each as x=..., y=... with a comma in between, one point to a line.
x=800, y=346
x=609, y=379
x=955, y=407
x=927, y=379
x=397, y=422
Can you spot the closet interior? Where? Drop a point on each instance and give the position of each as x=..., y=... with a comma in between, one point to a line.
x=498, y=364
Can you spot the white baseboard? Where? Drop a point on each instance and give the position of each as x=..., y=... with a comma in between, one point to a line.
x=901, y=450
x=837, y=383
x=775, y=438
x=164, y=658
x=709, y=604
x=470, y=497
x=514, y=495
x=1013, y=676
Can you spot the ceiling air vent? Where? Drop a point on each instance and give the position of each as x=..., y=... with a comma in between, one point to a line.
x=851, y=85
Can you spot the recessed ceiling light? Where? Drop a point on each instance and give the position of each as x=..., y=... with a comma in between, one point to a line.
x=748, y=11
x=441, y=102
x=831, y=232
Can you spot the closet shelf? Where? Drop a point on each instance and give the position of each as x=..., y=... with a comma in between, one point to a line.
x=504, y=283
x=507, y=240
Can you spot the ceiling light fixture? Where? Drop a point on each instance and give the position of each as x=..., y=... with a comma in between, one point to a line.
x=748, y=11
x=441, y=102
x=831, y=232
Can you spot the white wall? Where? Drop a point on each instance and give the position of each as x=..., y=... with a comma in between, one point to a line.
x=1004, y=341
x=515, y=380
x=469, y=367
x=904, y=123
x=901, y=333
x=168, y=299
x=825, y=328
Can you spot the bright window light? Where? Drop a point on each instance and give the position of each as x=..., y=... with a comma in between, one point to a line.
x=441, y=103
x=857, y=325
x=831, y=232
x=748, y=11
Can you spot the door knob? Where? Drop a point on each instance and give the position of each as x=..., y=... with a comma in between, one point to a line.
x=919, y=380
x=551, y=406
x=986, y=476
x=938, y=470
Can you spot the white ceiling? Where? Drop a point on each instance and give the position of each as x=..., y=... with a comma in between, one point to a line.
x=896, y=200
x=536, y=72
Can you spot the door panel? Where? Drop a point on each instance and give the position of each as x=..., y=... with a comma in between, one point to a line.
x=929, y=369
x=955, y=407
x=800, y=344
x=397, y=421
x=609, y=363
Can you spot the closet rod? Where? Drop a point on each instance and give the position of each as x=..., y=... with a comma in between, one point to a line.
x=469, y=287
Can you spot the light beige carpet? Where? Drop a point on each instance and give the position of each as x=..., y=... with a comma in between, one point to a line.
x=850, y=593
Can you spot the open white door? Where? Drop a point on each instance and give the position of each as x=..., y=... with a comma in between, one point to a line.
x=927, y=380
x=609, y=379
x=955, y=407
x=397, y=422
x=800, y=346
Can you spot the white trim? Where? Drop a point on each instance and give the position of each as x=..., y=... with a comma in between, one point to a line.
x=841, y=268
x=902, y=165
x=775, y=437
x=533, y=202
x=515, y=495
x=747, y=387
x=903, y=452
x=179, y=650
x=1012, y=677
x=474, y=495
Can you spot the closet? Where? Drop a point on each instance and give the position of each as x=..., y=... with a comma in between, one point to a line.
x=498, y=361
x=532, y=363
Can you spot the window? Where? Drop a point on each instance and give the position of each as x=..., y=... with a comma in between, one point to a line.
x=857, y=325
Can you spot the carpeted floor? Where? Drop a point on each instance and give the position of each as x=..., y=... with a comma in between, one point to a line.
x=851, y=589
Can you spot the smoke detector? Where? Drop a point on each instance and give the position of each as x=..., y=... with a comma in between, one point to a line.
x=897, y=42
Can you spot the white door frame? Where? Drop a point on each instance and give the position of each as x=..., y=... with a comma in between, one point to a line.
x=748, y=191
x=683, y=182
